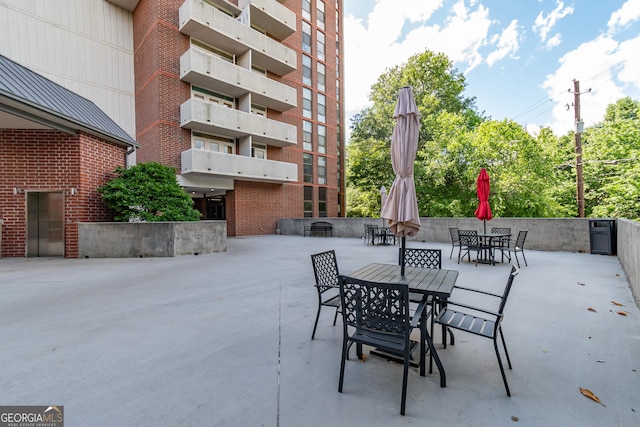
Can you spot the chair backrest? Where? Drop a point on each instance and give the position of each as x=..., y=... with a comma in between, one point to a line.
x=522, y=234
x=514, y=272
x=501, y=230
x=453, y=231
x=468, y=237
x=325, y=268
x=379, y=307
x=424, y=258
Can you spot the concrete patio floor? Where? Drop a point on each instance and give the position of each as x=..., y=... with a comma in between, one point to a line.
x=224, y=340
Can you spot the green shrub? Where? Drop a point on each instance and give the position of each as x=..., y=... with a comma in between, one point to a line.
x=148, y=192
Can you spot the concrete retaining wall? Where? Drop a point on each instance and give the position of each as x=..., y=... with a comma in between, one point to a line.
x=545, y=234
x=150, y=239
x=629, y=253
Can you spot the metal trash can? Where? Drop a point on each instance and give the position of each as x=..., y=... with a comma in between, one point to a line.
x=602, y=236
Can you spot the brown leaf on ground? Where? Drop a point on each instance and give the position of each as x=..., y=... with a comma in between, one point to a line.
x=622, y=313
x=514, y=418
x=581, y=284
x=617, y=303
x=592, y=309
x=588, y=393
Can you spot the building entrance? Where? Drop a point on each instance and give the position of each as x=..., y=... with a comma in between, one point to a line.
x=216, y=208
x=45, y=224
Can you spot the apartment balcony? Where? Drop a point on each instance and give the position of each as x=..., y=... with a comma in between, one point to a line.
x=207, y=117
x=272, y=17
x=209, y=71
x=237, y=167
x=204, y=22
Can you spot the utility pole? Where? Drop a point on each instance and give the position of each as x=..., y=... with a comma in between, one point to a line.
x=578, y=136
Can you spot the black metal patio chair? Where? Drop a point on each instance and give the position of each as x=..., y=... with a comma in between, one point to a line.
x=378, y=315
x=481, y=321
x=469, y=242
x=325, y=269
x=518, y=246
x=503, y=242
x=370, y=234
x=455, y=240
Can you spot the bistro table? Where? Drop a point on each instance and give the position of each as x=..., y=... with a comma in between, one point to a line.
x=487, y=241
x=427, y=281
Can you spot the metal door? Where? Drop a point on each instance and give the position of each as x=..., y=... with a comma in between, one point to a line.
x=45, y=224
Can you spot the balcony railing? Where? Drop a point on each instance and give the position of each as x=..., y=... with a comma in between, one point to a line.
x=208, y=117
x=206, y=70
x=237, y=167
x=206, y=23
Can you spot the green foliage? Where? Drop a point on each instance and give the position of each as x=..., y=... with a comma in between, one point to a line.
x=611, y=154
x=148, y=192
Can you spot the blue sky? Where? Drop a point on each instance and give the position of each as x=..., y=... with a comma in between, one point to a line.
x=519, y=57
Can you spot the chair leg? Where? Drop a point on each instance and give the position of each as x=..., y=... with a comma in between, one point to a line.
x=335, y=317
x=405, y=373
x=504, y=377
x=504, y=344
x=345, y=350
x=525, y=260
x=315, y=325
x=516, y=255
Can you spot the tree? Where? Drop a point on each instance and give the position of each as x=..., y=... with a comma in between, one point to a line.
x=437, y=88
x=611, y=153
x=148, y=192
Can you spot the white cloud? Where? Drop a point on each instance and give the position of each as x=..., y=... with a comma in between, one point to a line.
x=628, y=13
x=378, y=43
x=543, y=25
x=579, y=64
x=507, y=42
x=553, y=41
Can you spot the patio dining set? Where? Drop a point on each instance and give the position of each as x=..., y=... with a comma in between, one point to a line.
x=486, y=245
x=396, y=314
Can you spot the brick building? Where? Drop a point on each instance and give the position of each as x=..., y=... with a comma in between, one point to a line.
x=56, y=148
x=242, y=97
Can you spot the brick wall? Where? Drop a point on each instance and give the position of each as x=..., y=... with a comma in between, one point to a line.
x=48, y=160
x=158, y=46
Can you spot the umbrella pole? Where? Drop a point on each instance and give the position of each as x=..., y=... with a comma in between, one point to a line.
x=485, y=225
x=404, y=239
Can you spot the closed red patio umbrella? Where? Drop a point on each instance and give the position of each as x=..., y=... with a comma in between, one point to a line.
x=483, y=211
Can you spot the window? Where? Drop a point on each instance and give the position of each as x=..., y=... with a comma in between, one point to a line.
x=216, y=98
x=258, y=70
x=322, y=139
x=259, y=151
x=320, y=44
x=308, y=201
x=306, y=70
x=321, y=76
x=306, y=9
x=320, y=14
x=214, y=51
x=322, y=201
x=322, y=170
x=338, y=112
x=322, y=108
x=337, y=89
x=201, y=141
x=307, y=135
x=306, y=37
x=306, y=103
x=337, y=67
x=307, y=167
x=258, y=110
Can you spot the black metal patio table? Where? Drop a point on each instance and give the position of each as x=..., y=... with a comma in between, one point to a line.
x=487, y=241
x=427, y=281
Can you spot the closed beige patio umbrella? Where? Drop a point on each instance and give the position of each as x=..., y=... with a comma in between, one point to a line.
x=401, y=207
